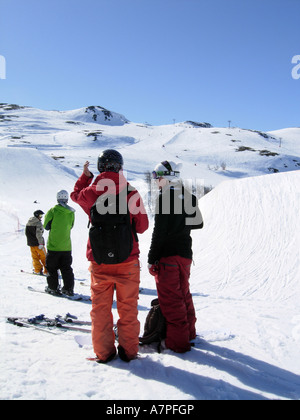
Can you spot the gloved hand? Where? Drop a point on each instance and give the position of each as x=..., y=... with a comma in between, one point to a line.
x=41, y=246
x=153, y=269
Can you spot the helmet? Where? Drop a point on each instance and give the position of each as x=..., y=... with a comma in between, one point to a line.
x=168, y=170
x=62, y=196
x=38, y=213
x=110, y=161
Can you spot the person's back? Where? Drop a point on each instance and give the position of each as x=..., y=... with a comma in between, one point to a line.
x=33, y=226
x=123, y=276
x=59, y=220
x=34, y=233
x=172, y=233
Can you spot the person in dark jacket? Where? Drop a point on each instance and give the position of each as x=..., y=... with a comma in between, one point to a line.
x=170, y=256
x=34, y=233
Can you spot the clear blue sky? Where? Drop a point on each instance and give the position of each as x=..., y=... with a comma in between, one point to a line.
x=156, y=60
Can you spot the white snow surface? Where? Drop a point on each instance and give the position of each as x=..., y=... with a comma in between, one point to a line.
x=245, y=278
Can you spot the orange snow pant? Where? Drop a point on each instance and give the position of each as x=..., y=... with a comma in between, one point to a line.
x=38, y=259
x=125, y=277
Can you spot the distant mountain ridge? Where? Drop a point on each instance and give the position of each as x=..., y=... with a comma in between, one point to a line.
x=206, y=152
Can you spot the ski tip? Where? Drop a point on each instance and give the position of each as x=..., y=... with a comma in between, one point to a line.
x=99, y=361
x=93, y=359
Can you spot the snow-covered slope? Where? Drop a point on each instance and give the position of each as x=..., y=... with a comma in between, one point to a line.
x=208, y=153
x=245, y=280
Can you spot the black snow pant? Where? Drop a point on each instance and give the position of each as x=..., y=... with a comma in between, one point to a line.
x=60, y=260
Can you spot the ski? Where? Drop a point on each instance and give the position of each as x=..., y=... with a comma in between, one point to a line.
x=20, y=323
x=40, y=322
x=74, y=321
x=82, y=283
x=97, y=360
x=93, y=359
x=33, y=273
x=69, y=327
x=67, y=319
x=76, y=297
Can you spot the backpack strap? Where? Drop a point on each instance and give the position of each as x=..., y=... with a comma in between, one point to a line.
x=129, y=191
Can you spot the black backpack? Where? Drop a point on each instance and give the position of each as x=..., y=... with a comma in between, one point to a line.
x=155, y=328
x=111, y=232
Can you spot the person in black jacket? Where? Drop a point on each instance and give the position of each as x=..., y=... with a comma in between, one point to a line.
x=170, y=256
x=34, y=232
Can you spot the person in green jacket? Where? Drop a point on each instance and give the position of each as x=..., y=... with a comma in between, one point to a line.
x=59, y=221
